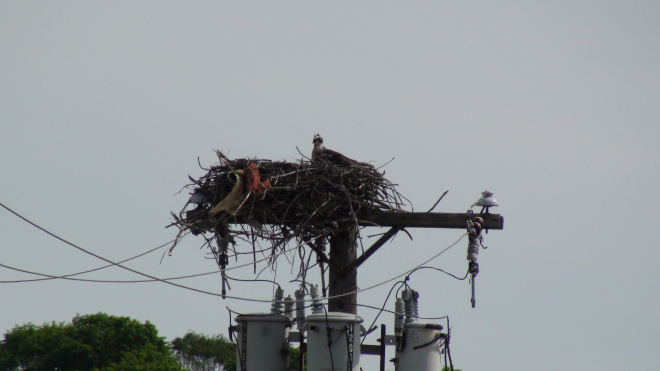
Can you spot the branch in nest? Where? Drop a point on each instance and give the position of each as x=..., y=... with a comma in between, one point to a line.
x=287, y=200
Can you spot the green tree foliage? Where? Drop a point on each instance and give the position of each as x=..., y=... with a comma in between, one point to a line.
x=91, y=342
x=198, y=352
x=294, y=359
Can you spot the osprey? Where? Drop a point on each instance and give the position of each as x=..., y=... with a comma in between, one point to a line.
x=321, y=153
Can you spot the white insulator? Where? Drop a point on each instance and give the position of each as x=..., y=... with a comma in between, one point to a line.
x=409, y=306
x=415, y=302
x=276, y=308
x=317, y=305
x=473, y=249
x=398, y=317
x=288, y=306
x=300, y=310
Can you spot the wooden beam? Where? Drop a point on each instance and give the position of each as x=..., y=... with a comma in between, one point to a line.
x=371, y=250
x=407, y=219
x=426, y=220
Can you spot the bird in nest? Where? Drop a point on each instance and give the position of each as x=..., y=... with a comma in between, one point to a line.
x=320, y=153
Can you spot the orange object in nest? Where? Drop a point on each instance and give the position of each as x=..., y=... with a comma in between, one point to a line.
x=254, y=180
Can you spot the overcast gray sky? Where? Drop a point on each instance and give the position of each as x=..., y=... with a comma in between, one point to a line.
x=106, y=106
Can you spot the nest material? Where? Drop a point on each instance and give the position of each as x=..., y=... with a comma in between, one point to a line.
x=278, y=201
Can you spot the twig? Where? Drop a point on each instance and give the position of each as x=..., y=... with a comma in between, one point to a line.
x=437, y=202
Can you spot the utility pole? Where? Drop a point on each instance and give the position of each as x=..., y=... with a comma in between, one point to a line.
x=342, y=277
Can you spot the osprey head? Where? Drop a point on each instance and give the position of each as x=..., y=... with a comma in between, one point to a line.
x=317, y=139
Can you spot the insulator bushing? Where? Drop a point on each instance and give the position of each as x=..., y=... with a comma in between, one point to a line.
x=409, y=301
x=415, y=303
x=317, y=305
x=398, y=317
x=288, y=306
x=276, y=308
x=473, y=249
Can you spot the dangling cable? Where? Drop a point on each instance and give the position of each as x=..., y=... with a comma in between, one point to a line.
x=329, y=334
x=371, y=327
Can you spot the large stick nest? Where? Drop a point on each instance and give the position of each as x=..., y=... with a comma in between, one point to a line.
x=278, y=201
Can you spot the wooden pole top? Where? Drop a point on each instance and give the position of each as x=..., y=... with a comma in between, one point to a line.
x=406, y=219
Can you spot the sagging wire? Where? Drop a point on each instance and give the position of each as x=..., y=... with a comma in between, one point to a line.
x=369, y=287
x=152, y=278
x=406, y=272
x=117, y=264
x=100, y=257
x=395, y=313
x=66, y=276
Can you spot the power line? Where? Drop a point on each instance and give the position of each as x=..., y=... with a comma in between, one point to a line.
x=66, y=276
x=152, y=278
x=378, y=284
x=410, y=270
x=393, y=312
x=212, y=293
x=102, y=258
x=69, y=278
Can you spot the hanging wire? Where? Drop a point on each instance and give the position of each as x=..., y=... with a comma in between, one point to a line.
x=437, y=269
x=250, y=280
x=369, y=329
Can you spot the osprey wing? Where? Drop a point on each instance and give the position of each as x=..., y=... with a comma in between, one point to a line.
x=337, y=158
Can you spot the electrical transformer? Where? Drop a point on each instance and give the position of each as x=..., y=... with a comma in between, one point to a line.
x=333, y=341
x=262, y=343
x=418, y=348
